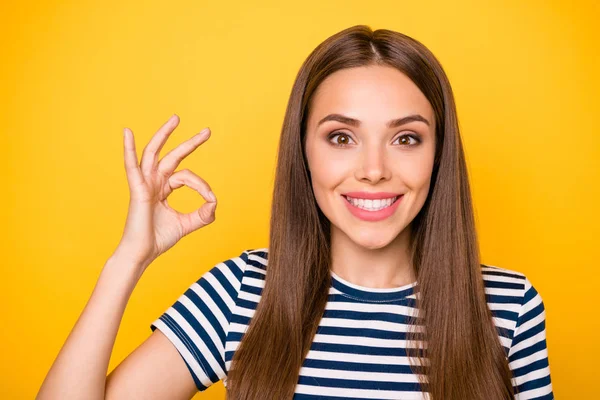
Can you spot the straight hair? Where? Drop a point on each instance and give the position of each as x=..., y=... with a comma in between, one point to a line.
x=455, y=348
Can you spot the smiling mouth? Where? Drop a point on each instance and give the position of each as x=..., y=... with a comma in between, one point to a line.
x=372, y=205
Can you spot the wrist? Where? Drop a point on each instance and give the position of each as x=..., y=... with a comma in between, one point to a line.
x=124, y=266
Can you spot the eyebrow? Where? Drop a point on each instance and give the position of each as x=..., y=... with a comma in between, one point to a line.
x=391, y=124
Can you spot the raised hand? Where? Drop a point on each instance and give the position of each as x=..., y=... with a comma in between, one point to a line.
x=152, y=226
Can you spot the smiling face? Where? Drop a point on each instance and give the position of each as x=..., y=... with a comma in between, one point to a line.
x=359, y=150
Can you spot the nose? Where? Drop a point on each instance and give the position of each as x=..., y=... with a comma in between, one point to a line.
x=373, y=165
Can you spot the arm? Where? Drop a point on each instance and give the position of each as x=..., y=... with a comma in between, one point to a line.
x=154, y=370
x=80, y=368
x=152, y=227
x=528, y=355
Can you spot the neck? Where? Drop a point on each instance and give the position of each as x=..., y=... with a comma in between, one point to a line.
x=385, y=267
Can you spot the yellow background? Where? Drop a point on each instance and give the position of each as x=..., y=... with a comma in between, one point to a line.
x=74, y=74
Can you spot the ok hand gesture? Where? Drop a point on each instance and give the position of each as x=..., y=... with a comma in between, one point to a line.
x=152, y=226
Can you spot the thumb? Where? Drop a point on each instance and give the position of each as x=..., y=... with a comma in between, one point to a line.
x=199, y=218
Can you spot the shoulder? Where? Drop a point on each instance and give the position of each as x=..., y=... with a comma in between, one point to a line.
x=227, y=275
x=493, y=273
x=238, y=264
x=256, y=259
x=514, y=301
x=510, y=295
x=517, y=306
x=503, y=284
x=507, y=285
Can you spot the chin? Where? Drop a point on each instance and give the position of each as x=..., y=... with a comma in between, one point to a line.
x=372, y=246
x=370, y=241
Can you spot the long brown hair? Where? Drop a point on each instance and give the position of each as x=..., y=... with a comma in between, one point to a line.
x=463, y=356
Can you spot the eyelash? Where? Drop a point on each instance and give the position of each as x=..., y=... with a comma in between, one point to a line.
x=337, y=133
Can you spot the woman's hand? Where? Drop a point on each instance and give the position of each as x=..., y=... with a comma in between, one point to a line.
x=152, y=226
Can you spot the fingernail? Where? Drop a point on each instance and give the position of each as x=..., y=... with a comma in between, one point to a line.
x=203, y=131
x=211, y=196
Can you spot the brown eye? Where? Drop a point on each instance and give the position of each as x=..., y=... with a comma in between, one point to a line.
x=342, y=139
x=405, y=140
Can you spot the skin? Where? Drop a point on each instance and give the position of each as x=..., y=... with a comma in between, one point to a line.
x=375, y=158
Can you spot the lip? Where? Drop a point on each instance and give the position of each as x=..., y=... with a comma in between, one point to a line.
x=371, y=195
x=367, y=215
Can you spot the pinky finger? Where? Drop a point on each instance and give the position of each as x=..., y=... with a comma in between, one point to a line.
x=134, y=174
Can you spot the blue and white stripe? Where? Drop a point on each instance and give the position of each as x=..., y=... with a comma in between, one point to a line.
x=359, y=350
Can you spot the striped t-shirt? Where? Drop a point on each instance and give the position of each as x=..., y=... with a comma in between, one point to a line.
x=359, y=350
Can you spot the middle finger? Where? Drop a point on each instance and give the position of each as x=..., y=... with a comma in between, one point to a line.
x=169, y=162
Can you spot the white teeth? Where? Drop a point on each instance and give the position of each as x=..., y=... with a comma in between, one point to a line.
x=371, y=205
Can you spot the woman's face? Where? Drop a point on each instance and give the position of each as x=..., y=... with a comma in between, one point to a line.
x=351, y=148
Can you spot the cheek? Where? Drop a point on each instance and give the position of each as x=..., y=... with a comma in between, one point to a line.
x=328, y=170
x=416, y=171
x=327, y=173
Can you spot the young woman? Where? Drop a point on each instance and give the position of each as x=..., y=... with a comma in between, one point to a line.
x=371, y=197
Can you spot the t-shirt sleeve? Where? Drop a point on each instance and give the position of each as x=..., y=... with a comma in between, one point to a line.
x=198, y=322
x=528, y=354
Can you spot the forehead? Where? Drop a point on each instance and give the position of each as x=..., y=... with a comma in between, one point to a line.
x=372, y=93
